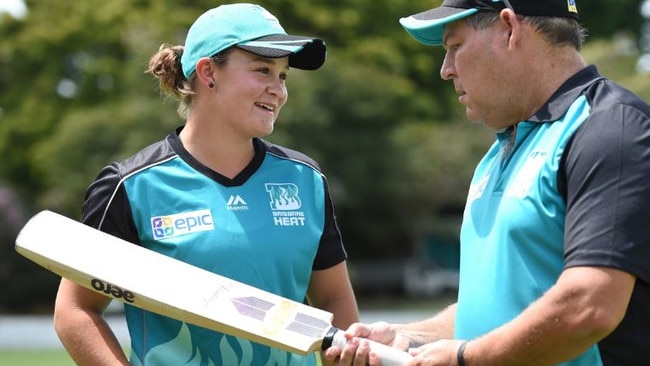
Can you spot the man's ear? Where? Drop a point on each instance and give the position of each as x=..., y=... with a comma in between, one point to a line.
x=512, y=27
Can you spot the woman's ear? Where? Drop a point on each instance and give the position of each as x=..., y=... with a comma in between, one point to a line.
x=205, y=69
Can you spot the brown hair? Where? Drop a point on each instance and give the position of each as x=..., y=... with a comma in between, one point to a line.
x=166, y=66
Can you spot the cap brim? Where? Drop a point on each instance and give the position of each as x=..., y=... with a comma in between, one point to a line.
x=306, y=53
x=427, y=27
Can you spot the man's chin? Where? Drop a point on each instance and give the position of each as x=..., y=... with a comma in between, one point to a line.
x=474, y=119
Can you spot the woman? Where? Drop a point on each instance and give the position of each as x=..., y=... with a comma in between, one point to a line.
x=216, y=195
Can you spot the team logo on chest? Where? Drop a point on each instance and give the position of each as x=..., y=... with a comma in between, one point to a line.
x=528, y=175
x=285, y=204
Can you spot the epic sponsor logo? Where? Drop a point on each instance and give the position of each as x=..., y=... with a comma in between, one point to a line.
x=181, y=224
x=112, y=290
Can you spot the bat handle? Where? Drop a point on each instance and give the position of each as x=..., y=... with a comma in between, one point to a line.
x=389, y=356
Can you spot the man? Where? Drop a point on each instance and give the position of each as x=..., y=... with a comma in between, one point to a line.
x=555, y=240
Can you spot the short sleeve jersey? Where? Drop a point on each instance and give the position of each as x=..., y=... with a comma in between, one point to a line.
x=572, y=190
x=269, y=227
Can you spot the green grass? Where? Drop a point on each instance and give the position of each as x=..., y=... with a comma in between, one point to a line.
x=35, y=358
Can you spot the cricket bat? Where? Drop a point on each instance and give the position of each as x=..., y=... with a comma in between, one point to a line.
x=164, y=285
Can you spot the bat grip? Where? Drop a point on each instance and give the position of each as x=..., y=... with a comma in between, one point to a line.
x=389, y=356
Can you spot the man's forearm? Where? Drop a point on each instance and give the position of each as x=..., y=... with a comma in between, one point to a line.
x=583, y=307
x=439, y=326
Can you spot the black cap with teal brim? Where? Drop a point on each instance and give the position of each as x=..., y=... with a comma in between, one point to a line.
x=251, y=28
x=304, y=53
x=428, y=26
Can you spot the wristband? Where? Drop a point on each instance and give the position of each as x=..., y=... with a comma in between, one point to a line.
x=459, y=355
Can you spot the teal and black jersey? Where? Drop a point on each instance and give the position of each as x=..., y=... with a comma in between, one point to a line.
x=269, y=227
x=569, y=187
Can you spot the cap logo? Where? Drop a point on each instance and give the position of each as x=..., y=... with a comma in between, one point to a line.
x=270, y=17
x=571, y=6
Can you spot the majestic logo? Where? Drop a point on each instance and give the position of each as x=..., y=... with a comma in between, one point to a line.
x=181, y=224
x=236, y=203
x=285, y=204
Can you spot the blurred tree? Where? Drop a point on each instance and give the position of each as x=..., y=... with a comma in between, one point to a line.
x=386, y=129
x=604, y=18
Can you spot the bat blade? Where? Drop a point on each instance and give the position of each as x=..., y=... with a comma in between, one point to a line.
x=161, y=284
x=155, y=282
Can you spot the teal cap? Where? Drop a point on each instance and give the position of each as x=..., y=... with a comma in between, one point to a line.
x=428, y=26
x=253, y=29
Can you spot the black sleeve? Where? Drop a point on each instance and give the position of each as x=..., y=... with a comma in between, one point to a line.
x=107, y=207
x=330, y=250
x=607, y=177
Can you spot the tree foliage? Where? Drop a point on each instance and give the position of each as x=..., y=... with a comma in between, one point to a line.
x=386, y=129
